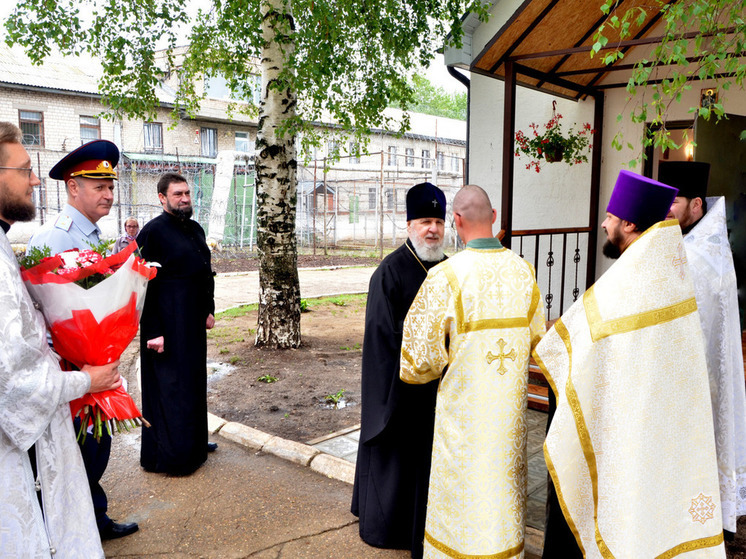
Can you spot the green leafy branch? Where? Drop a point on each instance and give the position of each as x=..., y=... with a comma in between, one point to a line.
x=701, y=40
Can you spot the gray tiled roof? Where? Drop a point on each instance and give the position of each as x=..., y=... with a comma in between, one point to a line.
x=76, y=74
x=66, y=74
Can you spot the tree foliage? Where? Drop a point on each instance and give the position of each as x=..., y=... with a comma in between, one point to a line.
x=702, y=40
x=351, y=58
x=434, y=100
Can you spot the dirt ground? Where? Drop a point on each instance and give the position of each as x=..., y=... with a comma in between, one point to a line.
x=295, y=397
x=300, y=404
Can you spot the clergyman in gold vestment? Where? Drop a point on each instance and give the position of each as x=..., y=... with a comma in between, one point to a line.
x=475, y=321
x=631, y=447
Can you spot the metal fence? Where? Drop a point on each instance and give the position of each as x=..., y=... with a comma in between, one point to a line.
x=354, y=202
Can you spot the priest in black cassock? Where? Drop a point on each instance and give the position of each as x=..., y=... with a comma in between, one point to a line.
x=393, y=461
x=179, y=307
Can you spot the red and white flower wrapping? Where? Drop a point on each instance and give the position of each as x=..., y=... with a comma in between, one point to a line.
x=93, y=326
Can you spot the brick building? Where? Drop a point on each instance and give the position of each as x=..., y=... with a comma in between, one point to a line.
x=58, y=107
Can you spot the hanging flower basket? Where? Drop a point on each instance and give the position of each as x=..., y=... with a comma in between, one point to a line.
x=554, y=155
x=552, y=146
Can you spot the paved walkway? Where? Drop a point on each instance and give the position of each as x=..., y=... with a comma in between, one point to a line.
x=234, y=289
x=343, y=444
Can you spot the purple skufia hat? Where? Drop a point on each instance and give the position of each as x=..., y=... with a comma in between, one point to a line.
x=640, y=200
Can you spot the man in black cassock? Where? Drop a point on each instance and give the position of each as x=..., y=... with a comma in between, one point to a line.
x=179, y=307
x=393, y=461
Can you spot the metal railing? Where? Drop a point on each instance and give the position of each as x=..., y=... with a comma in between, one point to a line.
x=547, y=248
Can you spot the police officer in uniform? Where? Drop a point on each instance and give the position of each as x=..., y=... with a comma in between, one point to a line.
x=89, y=176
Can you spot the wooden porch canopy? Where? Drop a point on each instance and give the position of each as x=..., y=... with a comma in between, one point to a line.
x=546, y=45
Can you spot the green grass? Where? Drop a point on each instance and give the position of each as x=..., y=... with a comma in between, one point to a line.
x=235, y=312
x=269, y=379
x=222, y=332
x=306, y=304
x=339, y=300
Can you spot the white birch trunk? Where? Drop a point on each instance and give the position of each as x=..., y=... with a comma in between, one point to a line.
x=278, y=324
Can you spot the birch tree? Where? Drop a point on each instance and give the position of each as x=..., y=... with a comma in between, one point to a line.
x=334, y=61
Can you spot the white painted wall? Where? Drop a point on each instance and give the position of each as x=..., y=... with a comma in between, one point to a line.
x=559, y=193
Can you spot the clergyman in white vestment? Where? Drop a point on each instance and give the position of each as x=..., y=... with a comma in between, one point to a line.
x=35, y=395
x=631, y=447
x=474, y=322
x=708, y=252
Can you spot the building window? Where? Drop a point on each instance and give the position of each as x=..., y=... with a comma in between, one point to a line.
x=332, y=148
x=90, y=129
x=217, y=86
x=372, y=198
x=455, y=167
x=209, y=137
x=441, y=160
x=410, y=157
x=31, y=124
x=389, y=199
x=256, y=89
x=242, y=141
x=426, y=163
x=353, y=149
x=153, y=137
x=392, y=155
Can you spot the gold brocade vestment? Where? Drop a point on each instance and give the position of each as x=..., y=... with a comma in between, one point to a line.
x=631, y=448
x=478, y=314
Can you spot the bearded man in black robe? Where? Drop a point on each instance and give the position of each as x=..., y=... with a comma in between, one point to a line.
x=179, y=307
x=393, y=461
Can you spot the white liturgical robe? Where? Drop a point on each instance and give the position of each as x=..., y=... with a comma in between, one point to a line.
x=478, y=316
x=711, y=265
x=631, y=447
x=35, y=409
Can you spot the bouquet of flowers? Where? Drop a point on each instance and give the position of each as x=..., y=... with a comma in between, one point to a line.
x=92, y=305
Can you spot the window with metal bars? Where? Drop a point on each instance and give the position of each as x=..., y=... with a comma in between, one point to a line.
x=90, y=129
x=31, y=124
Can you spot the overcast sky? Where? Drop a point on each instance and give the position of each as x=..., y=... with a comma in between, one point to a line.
x=436, y=73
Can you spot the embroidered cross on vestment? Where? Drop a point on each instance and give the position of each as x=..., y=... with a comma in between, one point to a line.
x=502, y=356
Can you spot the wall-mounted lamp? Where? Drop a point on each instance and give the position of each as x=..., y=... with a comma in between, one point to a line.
x=689, y=151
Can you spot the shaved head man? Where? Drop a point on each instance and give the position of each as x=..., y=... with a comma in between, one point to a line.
x=472, y=326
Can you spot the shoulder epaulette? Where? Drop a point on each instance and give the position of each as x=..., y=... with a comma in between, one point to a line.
x=64, y=222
